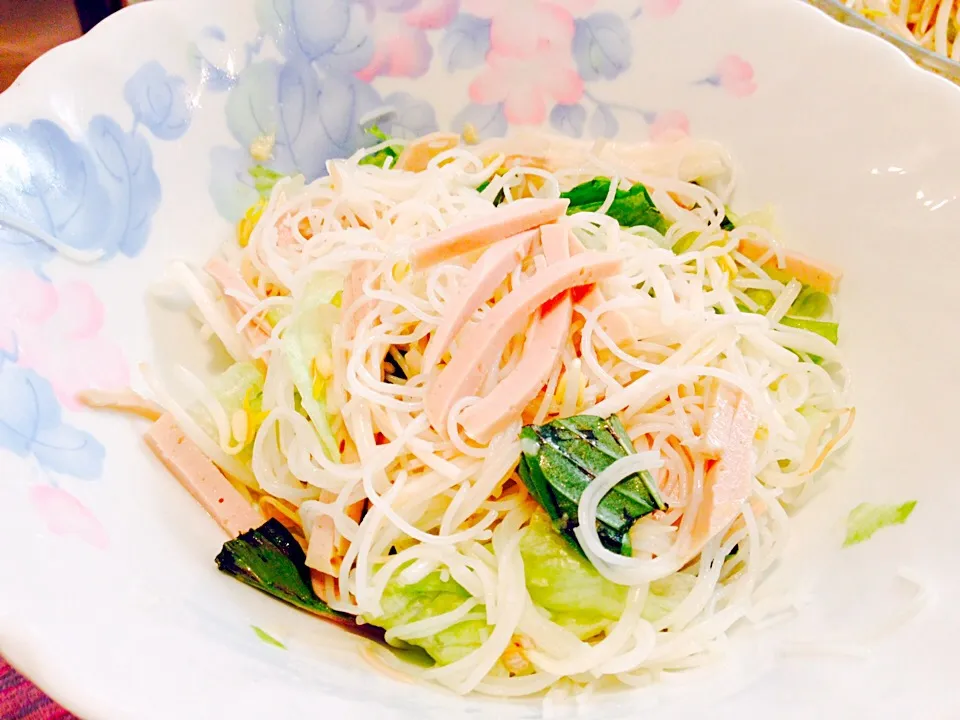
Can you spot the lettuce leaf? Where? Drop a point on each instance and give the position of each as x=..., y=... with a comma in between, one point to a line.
x=866, y=518
x=402, y=604
x=562, y=582
x=264, y=179
x=630, y=208
x=828, y=330
x=665, y=594
x=380, y=157
x=239, y=387
x=308, y=340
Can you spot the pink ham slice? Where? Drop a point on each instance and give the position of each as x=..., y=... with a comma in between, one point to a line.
x=540, y=352
x=485, y=277
x=201, y=477
x=613, y=322
x=483, y=343
x=818, y=275
x=719, y=408
x=354, y=305
x=484, y=231
x=417, y=155
x=327, y=546
x=256, y=332
x=728, y=482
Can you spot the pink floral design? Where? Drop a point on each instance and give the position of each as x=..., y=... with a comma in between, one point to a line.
x=401, y=45
x=662, y=8
x=669, y=125
x=525, y=92
x=55, y=331
x=735, y=75
x=401, y=51
x=432, y=14
x=522, y=28
x=64, y=515
x=530, y=65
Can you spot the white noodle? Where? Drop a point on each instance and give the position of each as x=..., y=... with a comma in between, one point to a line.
x=437, y=504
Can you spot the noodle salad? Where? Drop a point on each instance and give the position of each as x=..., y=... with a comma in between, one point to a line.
x=932, y=24
x=533, y=409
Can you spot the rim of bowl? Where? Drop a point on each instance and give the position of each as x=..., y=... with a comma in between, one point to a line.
x=928, y=58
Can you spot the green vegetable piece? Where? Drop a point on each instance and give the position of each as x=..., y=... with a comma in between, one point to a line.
x=684, y=243
x=379, y=158
x=239, y=387
x=828, y=330
x=562, y=582
x=432, y=596
x=763, y=298
x=267, y=637
x=561, y=458
x=500, y=195
x=264, y=179
x=665, y=594
x=271, y=560
x=866, y=518
x=727, y=223
x=309, y=336
x=588, y=193
x=810, y=303
x=630, y=208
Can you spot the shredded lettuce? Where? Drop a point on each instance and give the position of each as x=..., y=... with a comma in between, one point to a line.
x=810, y=304
x=307, y=347
x=665, y=594
x=630, y=208
x=239, y=387
x=828, y=330
x=380, y=157
x=402, y=604
x=562, y=582
x=866, y=518
x=264, y=179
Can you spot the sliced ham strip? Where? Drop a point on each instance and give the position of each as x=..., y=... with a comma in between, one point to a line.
x=818, y=275
x=125, y=400
x=327, y=546
x=540, y=352
x=613, y=322
x=727, y=483
x=484, y=231
x=485, y=277
x=322, y=551
x=201, y=477
x=418, y=154
x=353, y=304
x=483, y=344
x=257, y=331
x=719, y=408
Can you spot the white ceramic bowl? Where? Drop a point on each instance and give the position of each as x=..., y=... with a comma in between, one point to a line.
x=131, y=142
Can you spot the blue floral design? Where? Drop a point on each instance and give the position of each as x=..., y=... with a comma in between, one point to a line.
x=158, y=101
x=411, y=116
x=96, y=193
x=601, y=46
x=487, y=120
x=31, y=425
x=603, y=123
x=465, y=43
x=310, y=100
x=51, y=183
x=569, y=119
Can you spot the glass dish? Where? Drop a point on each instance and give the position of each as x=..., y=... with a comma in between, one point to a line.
x=927, y=59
